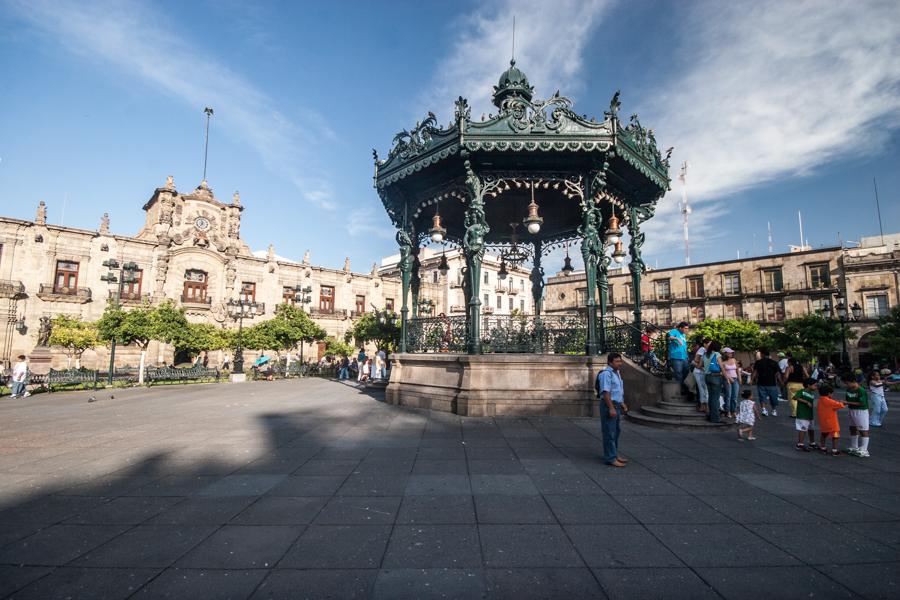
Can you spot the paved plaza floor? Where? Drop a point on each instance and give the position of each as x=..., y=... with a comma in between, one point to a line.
x=317, y=489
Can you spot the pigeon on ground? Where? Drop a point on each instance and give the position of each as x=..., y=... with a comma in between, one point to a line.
x=92, y=399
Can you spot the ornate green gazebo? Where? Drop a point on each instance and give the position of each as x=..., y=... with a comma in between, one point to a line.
x=521, y=182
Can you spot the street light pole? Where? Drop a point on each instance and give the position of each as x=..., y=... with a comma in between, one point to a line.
x=844, y=316
x=301, y=295
x=237, y=310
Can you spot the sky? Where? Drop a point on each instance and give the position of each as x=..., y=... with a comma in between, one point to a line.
x=776, y=106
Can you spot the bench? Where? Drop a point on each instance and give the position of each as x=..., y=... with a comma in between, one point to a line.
x=70, y=377
x=170, y=374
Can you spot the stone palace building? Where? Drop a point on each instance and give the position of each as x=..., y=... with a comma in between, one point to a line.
x=190, y=251
x=767, y=289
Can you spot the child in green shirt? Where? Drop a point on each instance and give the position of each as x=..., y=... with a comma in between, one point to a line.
x=857, y=399
x=803, y=423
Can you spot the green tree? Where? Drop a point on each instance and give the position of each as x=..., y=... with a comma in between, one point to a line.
x=74, y=336
x=809, y=336
x=337, y=347
x=283, y=331
x=206, y=336
x=382, y=328
x=886, y=339
x=734, y=333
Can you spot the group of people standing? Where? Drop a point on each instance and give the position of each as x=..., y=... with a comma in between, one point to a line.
x=369, y=367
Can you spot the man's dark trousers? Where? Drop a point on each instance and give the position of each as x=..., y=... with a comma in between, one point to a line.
x=610, y=426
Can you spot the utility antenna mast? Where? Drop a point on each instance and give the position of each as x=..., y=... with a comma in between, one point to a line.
x=209, y=113
x=685, y=211
x=770, y=237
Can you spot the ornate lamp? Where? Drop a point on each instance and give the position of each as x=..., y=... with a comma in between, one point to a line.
x=20, y=325
x=443, y=267
x=437, y=232
x=856, y=310
x=533, y=221
x=514, y=255
x=841, y=309
x=502, y=273
x=619, y=252
x=613, y=231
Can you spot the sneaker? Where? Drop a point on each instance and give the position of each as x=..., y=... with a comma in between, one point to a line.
x=801, y=447
x=26, y=394
x=863, y=454
x=835, y=452
x=774, y=413
x=814, y=446
x=765, y=412
x=852, y=451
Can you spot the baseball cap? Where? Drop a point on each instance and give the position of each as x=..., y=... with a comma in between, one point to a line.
x=726, y=350
x=781, y=355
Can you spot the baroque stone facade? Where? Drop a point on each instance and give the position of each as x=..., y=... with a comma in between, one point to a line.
x=767, y=289
x=190, y=251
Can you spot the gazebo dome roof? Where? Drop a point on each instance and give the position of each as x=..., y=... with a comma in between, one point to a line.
x=513, y=83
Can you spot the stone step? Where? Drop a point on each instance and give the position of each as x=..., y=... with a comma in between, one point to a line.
x=664, y=423
x=691, y=406
x=675, y=415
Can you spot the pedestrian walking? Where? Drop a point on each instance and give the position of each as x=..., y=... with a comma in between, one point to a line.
x=794, y=376
x=877, y=398
x=714, y=377
x=747, y=413
x=804, y=399
x=700, y=376
x=828, y=421
x=611, y=392
x=732, y=384
x=382, y=362
x=360, y=365
x=19, y=377
x=677, y=350
x=766, y=376
x=782, y=367
x=857, y=399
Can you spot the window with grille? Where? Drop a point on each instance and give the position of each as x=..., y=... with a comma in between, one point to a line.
x=434, y=276
x=775, y=310
x=664, y=315
x=248, y=291
x=66, y=279
x=287, y=295
x=695, y=287
x=733, y=310
x=581, y=297
x=522, y=305
x=698, y=313
x=663, y=289
x=821, y=306
x=132, y=289
x=772, y=280
x=731, y=284
x=487, y=277
x=499, y=302
x=389, y=304
x=819, y=276
x=360, y=304
x=487, y=300
x=876, y=305
x=195, y=282
x=326, y=298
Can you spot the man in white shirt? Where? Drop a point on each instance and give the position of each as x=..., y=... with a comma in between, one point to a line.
x=382, y=364
x=19, y=375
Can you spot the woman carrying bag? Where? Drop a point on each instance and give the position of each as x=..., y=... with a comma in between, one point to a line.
x=714, y=370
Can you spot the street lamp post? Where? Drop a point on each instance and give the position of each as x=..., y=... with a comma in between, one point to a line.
x=126, y=275
x=843, y=317
x=302, y=295
x=237, y=310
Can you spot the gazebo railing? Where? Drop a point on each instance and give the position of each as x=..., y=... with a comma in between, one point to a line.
x=436, y=334
x=500, y=334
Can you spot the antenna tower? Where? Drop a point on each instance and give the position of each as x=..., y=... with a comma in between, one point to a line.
x=770, y=237
x=685, y=211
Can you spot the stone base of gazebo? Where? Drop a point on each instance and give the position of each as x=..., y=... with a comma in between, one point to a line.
x=496, y=384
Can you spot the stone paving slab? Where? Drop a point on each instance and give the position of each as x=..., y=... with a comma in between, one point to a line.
x=317, y=489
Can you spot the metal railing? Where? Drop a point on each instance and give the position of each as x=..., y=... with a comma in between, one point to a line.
x=195, y=300
x=78, y=293
x=10, y=288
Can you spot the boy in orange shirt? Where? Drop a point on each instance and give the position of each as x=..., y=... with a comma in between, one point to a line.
x=828, y=420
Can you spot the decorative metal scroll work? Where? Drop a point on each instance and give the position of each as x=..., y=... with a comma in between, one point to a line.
x=410, y=143
x=532, y=116
x=437, y=334
x=501, y=334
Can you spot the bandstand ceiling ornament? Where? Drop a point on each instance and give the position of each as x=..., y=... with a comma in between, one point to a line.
x=564, y=177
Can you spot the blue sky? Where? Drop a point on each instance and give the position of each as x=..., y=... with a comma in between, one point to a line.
x=777, y=106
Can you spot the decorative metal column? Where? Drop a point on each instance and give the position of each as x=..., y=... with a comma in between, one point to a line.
x=415, y=280
x=473, y=248
x=636, y=267
x=537, y=281
x=603, y=286
x=404, y=240
x=590, y=248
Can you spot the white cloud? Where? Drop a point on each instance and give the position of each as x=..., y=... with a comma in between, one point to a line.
x=771, y=91
x=550, y=39
x=139, y=41
x=365, y=221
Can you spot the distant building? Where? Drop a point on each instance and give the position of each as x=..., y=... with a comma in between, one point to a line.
x=498, y=296
x=190, y=251
x=767, y=289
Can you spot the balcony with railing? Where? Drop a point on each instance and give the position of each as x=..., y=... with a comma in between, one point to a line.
x=196, y=301
x=130, y=297
x=51, y=293
x=10, y=288
x=337, y=313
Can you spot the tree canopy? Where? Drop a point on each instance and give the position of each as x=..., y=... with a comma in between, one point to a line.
x=886, y=339
x=734, y=333
x=144, y=324
x=73, y=335
x=385, y=332
x=809, y=336
x=283, y=331
x=336, y=347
